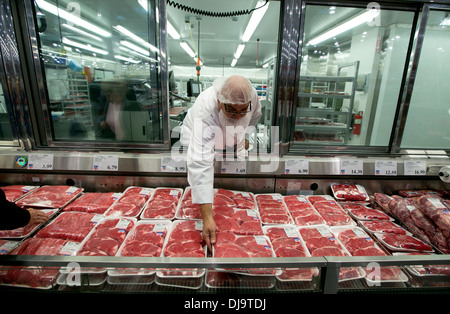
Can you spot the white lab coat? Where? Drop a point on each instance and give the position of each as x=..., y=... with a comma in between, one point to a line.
x=200, y=133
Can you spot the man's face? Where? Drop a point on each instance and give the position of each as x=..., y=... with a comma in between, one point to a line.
x=234, y=111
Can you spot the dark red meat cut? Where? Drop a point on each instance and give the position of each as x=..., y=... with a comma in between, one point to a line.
x=402, y=241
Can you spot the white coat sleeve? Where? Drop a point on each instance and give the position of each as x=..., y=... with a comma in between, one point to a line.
x=200, y=160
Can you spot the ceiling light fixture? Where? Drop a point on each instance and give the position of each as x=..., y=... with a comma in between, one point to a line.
x=69, y=42
x=126, y=59
x=135, y=47
x=188, y=49
x=358, y=20
x=239, y=51
x=233, y=63
x=256, y=17
x=172, y=31
x=44, y=5
x=81, y=32
x=136, y=38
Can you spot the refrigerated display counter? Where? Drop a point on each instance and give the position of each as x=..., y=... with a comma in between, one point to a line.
x=276, y=252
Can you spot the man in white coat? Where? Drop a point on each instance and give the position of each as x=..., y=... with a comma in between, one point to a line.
x=218, y=120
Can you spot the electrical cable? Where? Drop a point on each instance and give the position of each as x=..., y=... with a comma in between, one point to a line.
x=212, y=14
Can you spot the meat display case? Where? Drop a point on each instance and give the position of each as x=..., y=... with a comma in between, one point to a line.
x=145, y=171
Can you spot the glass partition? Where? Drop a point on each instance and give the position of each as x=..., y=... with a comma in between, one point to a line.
x=428, y=119
x=103, y=71
x=352, y=64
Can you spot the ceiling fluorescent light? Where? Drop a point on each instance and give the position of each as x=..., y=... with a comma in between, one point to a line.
x=134, y=47
x=172, y=31
x=81, y=32
x=44, y=5
x=256, y=17
x=188, y=49
x=128, y=51
x=358, y=20
x=239, y=51
x=136, y=38
x=233, y=63
x=126, y=59
x=445, y=22
x=83, y=46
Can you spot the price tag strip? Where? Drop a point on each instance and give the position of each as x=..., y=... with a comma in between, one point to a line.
x=170, y=165
x=233, y=167
x=386, y=168
x=106, y=163
x=296, y=167
x=415, y=168
x=351, y=167
x=40, y=161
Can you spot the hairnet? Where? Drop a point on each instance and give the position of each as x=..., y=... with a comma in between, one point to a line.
x=235, y=90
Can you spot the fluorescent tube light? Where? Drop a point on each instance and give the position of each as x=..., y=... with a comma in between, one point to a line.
x=172, y=31
x=233, y=63
x=136, y=38
x=126, y=59
x=256, y=17
x=81, y=32
x=188, y=49
x=129, y=51
x=135, y=47
x=83, y=46
x=44, y=5
x=358, y=20
x=239, y=51
x=445, y=22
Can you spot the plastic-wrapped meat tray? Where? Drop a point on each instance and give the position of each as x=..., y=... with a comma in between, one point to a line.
x=359, y=243
x=15, y=192
x=164, y=204
x=333, y=213
x=403, y=243
x=73, y=226
x=363, y=212
x=272, y=209
x=50, y=196
x=382, y=226
x=93, y=202
x=349, y=192
x=131, y=203
x=146, y=239
x=320, y=241
x=7, y=246
x=286, y=242
x=229, y=245
x=36, y=277
x=302, y=211
x=237, y=221
x=26, y=231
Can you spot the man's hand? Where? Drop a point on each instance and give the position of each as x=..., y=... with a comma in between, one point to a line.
x=209, y=225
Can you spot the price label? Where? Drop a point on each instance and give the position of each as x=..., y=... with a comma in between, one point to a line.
x=234, y=167
x=296, y=167
x=170, y=165
x=352, y=167
x=106, y=163
x=40, y=161
x=386, y=168
x=415, y=168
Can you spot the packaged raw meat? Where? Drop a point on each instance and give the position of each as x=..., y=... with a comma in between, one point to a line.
x=435, y=209
x=15, y=192
x=382, y=226
x=36, y=277
x=146, y=239
x=242, y=247
x=184, y=239
x=349, y=192
x=422, y=271
x=188, y=210
x=93, y=202
x=50, y=196
x=272, y=209
x=7, y=246
x=286, y=242
x=163, y=204
x=302, y=211
x=320, y=241
x=314, y=198
x=73, y=226
x=131, y=203
x=363, y=212
x=23, y=232
x=403, y=242
x=382, y=200
x=237, y=221
x=332, y=213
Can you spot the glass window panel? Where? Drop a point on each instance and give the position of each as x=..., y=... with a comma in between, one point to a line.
x=428, y=121
x=217, y=40
x=6, y=133
x=350, y=75
x=101, y=62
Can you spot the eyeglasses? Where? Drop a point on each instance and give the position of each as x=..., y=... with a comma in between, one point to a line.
x=232, y=111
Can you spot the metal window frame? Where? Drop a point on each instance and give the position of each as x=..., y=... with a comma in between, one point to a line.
x=38, y=95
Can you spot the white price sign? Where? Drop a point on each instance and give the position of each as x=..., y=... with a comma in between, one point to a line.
x=170, y=165
x=385, y=168
x=415, y=168
x=352, y=167
x=106, y=163
x=40, y=161
x=234, y=167
x=296, y=167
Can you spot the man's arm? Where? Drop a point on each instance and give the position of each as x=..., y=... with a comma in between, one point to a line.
x=209, y=226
